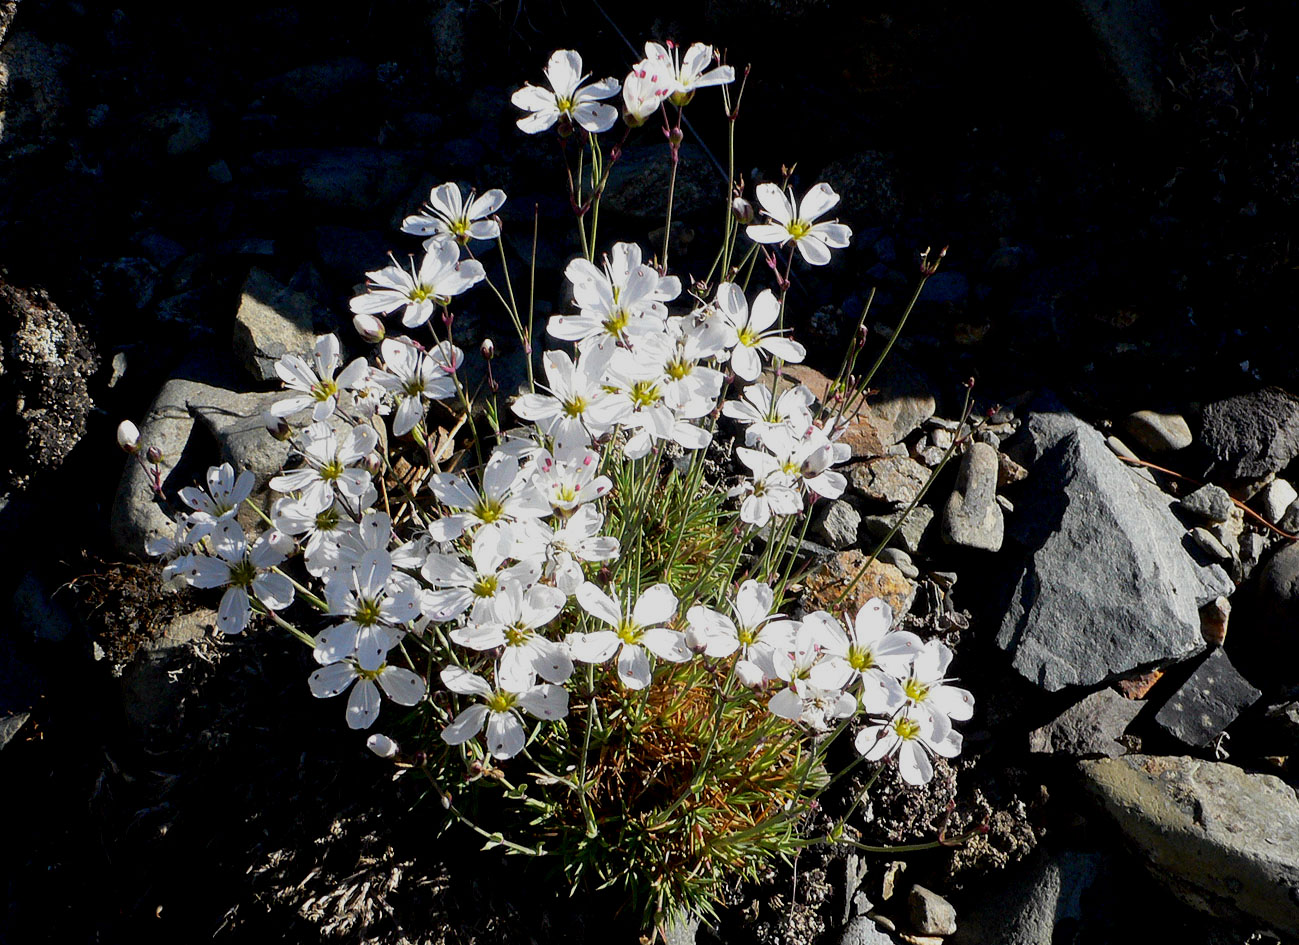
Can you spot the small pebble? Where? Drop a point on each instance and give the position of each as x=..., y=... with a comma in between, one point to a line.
x=1210, y=545
x=1210, y=503
x=1275, y=498
x=900, y=560
x=1158, y=432
x=987, y=436
x=1213, y=621
x=1119, y=448
x=931, y=456
x=1009, y=471
x=1006, y=504
x=930, y=913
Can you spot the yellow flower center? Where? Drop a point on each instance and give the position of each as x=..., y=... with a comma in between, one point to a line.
x=645, y=394
x=421, y=293
x=327, y=520
x=517, y=635
x=906, y=729
x=747, y=636
x=798, y=228
x=242, y=574
x=575, y=407
x=748, y=337
x=565, y=105
x=488, y=511
x=367, y=613
x=860, y=659
x=485, y=586
x=616, y=323
x=565, y=493
x=331, y=470
x=324, y=390
x=915, y=690
x=502, y=701
x=679, y=369
x=628, y=632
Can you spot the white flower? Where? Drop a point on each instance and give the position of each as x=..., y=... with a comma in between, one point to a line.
x=577, y=408
x=643, y=91
x=802, y=700
x=809, y=459
x=240, y=569
x=754, y=624
x=416, y=376
x=376, y=601
x=870, y=649
x=925, y=685
x=128, y=436
x=500, y=710
x=460, y=587
x=791, y=411
x=220, y=502
x=450, y=218
x=441, y=276
x=633, y=633
x=569, y=477
x=322, y=519
x=507, y=496
x=688, y=72
x=796, y=222
x=330, y=463
x=770, y=492
x=381, y=745
x=616, y=305
x=514, y=625
x=316, y=383
x=576, y=539
x=913, y=735
x=400, y=685
x=751, y=332
x=566, y=97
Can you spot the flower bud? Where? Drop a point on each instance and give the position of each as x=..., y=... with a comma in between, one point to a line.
x=277, y=427
x=381, y=745
x=696, y=640
x=369, y=327
x=128, y=437
x=743, y=210
x=487, y=349
x=154, y=455
x=676, y=135
x=373, y=463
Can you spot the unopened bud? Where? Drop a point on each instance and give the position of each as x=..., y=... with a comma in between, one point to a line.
x=676, y=135
x=369, y=327
x=696, y=640
x=276, y=426
x=487, y=349
x=381, y=745
x=153, y=455
x=743, y=210
x=128, y=437
x=373, y=463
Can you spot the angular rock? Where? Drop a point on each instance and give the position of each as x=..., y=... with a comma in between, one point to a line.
x=1105, y=587
x=1207, y=542
x=880, y=580
x=1033, y=899
x=638, y=183
x=1213, y=621
x=863, y=931
x=1222, y=840
x=235, y=422
x=930, y=913
x=1275, y=498
x=972, y=517
x=900, y=560
x=1209, y=701
x=902, y=404
x=1130, y=39
x=1158, y=432
x=836, y=524
x=1087, y=728
x=909, y=534
x=1209, y=503
x=896, y=480
x=10, y=725
x=274, y=321
x=1009, y=471
x=1251, y=435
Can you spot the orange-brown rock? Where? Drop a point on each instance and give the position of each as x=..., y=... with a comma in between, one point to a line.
x=880, y=580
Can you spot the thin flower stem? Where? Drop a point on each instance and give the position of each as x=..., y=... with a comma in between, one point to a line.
x=261, y=608
x=304, y=592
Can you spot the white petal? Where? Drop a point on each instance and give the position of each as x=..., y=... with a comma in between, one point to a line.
x=466, y=725
x=505, y=737
x=545, y=702
x=331, y=680
x=464, y=682
x=633, y=667
x=363, y=704
x=402, y=686
x=655, y=606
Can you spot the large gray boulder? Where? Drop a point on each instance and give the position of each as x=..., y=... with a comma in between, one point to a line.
x=1220, y=839
x=1104, y=585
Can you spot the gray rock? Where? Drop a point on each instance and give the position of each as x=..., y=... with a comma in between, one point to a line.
x=273, y=321
x=909, y=535
x=905, y=399
x=348, y=181
x=1158, y=432
x=235, y=422
x=1129, y=36
x=1105, y=586
x=1209, y=544
x=1028, y=904
x=896, y=480
x=869, y=183
x=1209, y=701
x=638, y=183
x=1088, y=728
x=863, y=931
x=1276, y=598
x=318, y=85
x=946, y=287
x=1119, y=448
x=152, y=700
x=39, y=616
x=1275, y=498
x=836, y=525
x=1253, y=434
x=930, y=913
x=1222, y=840
x=900, y=560
x=36, y=97
x=448, y=27
x=972, y=517
x=1252, y=546
x=10, y=724
x=1209, y=503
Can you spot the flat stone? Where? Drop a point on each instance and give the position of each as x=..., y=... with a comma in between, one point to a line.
x=1158, y=432
x=1213, y=621
x=900, y=560
x=972, y=518
x=1222, y=840
x=930, y=913
x=1209, y=544
x=273, y=321
x=1209, y=503
x=1275, y=498
x=1119, y=448
x=864, y=931
x=1208, y=702
x=1087, y=728
x=1104, y=588
x=835, y=524
x=1251, y=435
x=880, y=580
x=1138, y=687
x=896, y=480
x=911, y=532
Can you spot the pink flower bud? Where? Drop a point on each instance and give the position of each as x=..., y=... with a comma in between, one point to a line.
x=487, y=349
x=743, y=210
x=154, y=455
x=128, y=437
x=373, y=463
x=369, y=327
